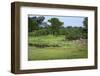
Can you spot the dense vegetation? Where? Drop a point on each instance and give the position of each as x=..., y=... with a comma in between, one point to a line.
x=51, y=40
x=38, y=28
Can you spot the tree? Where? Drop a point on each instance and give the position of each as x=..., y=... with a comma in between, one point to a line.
x=35, y=22
x=85, y=28
x=55, y=25
x=32, y=24
x=85, y=22
x=40, y=19
x=73, y=33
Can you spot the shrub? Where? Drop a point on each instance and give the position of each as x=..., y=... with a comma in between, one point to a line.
x=39, y=32
x=72, y=34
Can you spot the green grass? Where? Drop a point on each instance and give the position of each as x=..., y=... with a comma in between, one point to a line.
x=55, y=47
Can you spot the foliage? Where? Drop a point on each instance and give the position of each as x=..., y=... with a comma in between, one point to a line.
x=85, y=28
x=73, y=33
x=40, y=32
x=85, y=22
x=51, y=40
x=55, y=25
x=34, y=23
x=39, y=28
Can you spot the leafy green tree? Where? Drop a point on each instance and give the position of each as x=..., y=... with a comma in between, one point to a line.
x=85, y=22
x=40, y=19
x=73, y=33
x=34, y=23
x=85, y=28
x=55, y=25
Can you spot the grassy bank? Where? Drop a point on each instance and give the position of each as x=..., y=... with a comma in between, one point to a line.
x=55, y=47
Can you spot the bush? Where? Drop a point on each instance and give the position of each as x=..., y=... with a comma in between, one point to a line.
x=40, y=32
x=62, y=32
x=73, y=34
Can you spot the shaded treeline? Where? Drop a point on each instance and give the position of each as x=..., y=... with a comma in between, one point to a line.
x=38, y=27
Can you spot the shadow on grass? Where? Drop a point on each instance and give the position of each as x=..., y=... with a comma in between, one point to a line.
x=43, y=45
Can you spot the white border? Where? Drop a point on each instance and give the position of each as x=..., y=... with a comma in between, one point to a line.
x=25, y=64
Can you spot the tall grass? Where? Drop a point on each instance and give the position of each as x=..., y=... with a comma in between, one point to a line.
x=55, y=47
